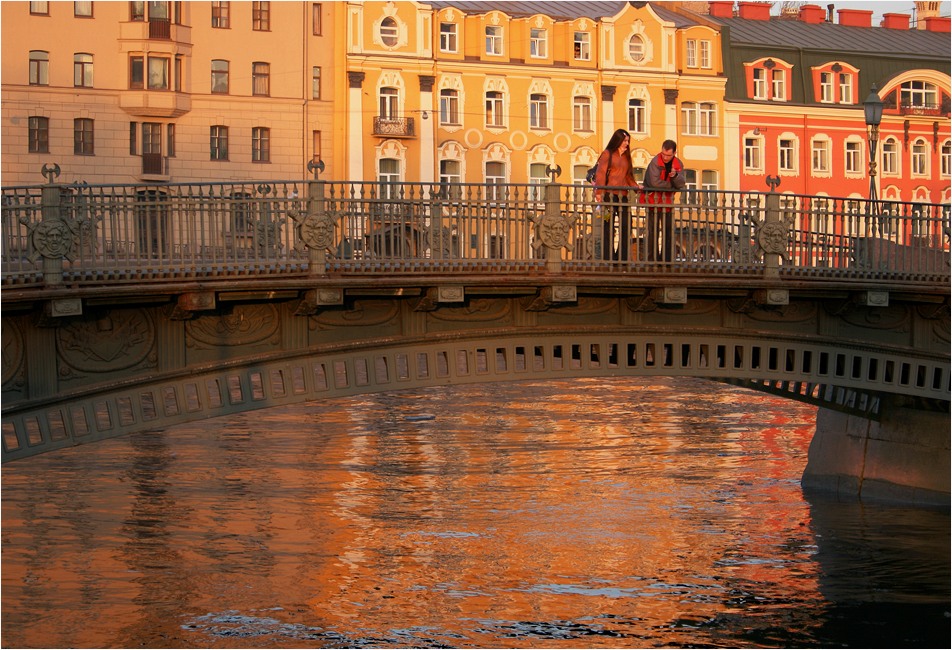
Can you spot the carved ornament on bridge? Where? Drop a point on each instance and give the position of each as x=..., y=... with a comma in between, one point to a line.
x=317, y=230
x=117, y=340
x=53, y=239
x=243, y=325
x=553, y=231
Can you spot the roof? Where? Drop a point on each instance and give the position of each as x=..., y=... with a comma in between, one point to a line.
x=793, y=33
x=561, y=10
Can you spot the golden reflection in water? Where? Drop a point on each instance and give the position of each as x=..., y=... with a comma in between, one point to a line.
x=519, y=516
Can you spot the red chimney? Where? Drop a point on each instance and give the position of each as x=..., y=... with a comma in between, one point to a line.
x=721, y=8
x=938, y=24
x=754, y=10
x=856, y=17
x=896, y=21
x=812, y=14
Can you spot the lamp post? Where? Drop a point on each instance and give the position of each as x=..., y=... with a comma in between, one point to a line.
x=873, y=111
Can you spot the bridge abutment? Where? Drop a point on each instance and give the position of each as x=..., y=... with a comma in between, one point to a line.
x=902, y=457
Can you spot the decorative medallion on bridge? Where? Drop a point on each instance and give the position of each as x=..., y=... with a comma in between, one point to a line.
x=11, y=359
x=105, y=342
x=54, y=239
x=243, y=325
x=317, y=230
x=553, y=230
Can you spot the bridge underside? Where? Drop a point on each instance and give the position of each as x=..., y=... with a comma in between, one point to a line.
x=121, y=368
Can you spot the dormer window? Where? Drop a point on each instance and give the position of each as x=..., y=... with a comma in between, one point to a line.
x=583, y=46
x=494, y=40
x=768, y=79
x=835, y=83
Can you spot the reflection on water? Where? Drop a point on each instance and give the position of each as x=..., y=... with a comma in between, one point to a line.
x=585, y=513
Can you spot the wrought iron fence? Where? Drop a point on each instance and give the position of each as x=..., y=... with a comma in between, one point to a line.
x=131, y=233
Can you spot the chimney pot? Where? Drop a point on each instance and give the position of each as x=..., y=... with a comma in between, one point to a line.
x=721, y=8
x=754, y=10
x=812, y=14
x=939, y=24
x=896, y=21
x=856, y=17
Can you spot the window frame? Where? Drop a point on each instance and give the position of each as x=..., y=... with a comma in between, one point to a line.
x=495, y=109
x=84, y=136
x=582, y=113
x=582, y=46
x=219, y=75
x=261, y=16
x=538, y=111
x=82, y=70
x=820, y=156
x=538, y=43
x=39, y=74
x=853, y=157
x=218, y=142
x=389, y=32
x=449, y=106
x=38, y=134
x=260, y=144
x=919, y=158
x=260, y=75
x=449, y=38
x=221, y=14
x=494, y=40
x=753, y=154
x=637, y=112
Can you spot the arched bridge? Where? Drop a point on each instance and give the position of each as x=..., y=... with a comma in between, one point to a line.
x=127, y=308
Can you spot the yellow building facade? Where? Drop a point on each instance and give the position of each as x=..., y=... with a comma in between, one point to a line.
x=490, y=92
x=146, y=92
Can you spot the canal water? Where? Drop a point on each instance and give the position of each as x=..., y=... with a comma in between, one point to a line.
x=607, y=513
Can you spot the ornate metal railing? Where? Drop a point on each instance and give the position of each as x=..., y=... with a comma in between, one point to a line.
x=105, y=234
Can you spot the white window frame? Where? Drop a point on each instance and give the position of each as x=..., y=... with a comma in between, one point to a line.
x=538, y=111
x=820, y=156
x=918, y=94
x=787, y=155
x=753, y=154
x=537, y=178
x=890, y=160
x=778, y=85
x=690, y=53
x=919, y=158
x=494, y=109
x=853, y=157
x=448, y=38
x=636, y=48
x=449, y=106
x=538, y=43
x=760, y=83
x=637, y=112
x=705, y=53
x=494, y=40
x=389, y=32
x=945, y=159
x=582, y=113
x=582, y=46
x=846, y=87
x=388, y=102
x=826, y=87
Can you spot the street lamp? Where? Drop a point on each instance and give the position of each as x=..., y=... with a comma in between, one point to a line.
x=873, y=111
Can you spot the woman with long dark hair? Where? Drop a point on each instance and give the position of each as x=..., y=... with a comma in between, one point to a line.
x=613, y=177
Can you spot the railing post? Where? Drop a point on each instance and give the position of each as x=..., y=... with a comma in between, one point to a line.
x=773, y=234
x=316, y=215
x=552, y=228
x=52, y=238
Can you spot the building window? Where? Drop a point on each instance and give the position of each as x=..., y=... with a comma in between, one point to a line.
x=448, y=37
x=538, y=43
x=170, y=140
x=820, y=156
x=890, y=157
x=583, y=46
x=538, y=111
x=39, y=68
x=537, y=178
x=39, y=135
x=760, y=83
x=690, y=58
x=787, y=153
x=220, y=14
x=261, y=78
x=136, y=72
x=636, y=116
x=494, y=40
x=826, y=87
x=220, y=76
x=178, y=73
x=920, y=158
x=388, y=31
x=388, y=176
x=218, y=143
x=853, y=158
x=581, y=113
x=261, y=16
x=636, y=48
x=846, y=88
x=316, y=82
x=137, y=12
x=698, y=119
x=316, y=26
x=495, y=176
x=494, y=106
x=918, y=94
x=83, y=137
x=945, y=160
x=705, y=54
x=449, y=106
x=158, y=73
x=450, y=172
x=778, y=85
x=133, y=139
x=753, y=160
x=83, y=9
x=260, y=144
x=83, y=70
x=709, y=180
x=40, y=8
x=389, y=103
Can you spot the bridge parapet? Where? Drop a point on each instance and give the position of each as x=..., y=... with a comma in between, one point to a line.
x=86, y=235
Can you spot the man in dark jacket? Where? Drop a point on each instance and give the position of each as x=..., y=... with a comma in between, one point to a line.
x=664, y=175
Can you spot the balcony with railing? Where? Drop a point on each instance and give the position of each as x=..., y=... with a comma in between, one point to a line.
x=394, y=127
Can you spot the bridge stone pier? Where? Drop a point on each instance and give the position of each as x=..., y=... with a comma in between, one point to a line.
x=129, y=309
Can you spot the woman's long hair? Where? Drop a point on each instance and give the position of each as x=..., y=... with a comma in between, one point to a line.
x=617, y=138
